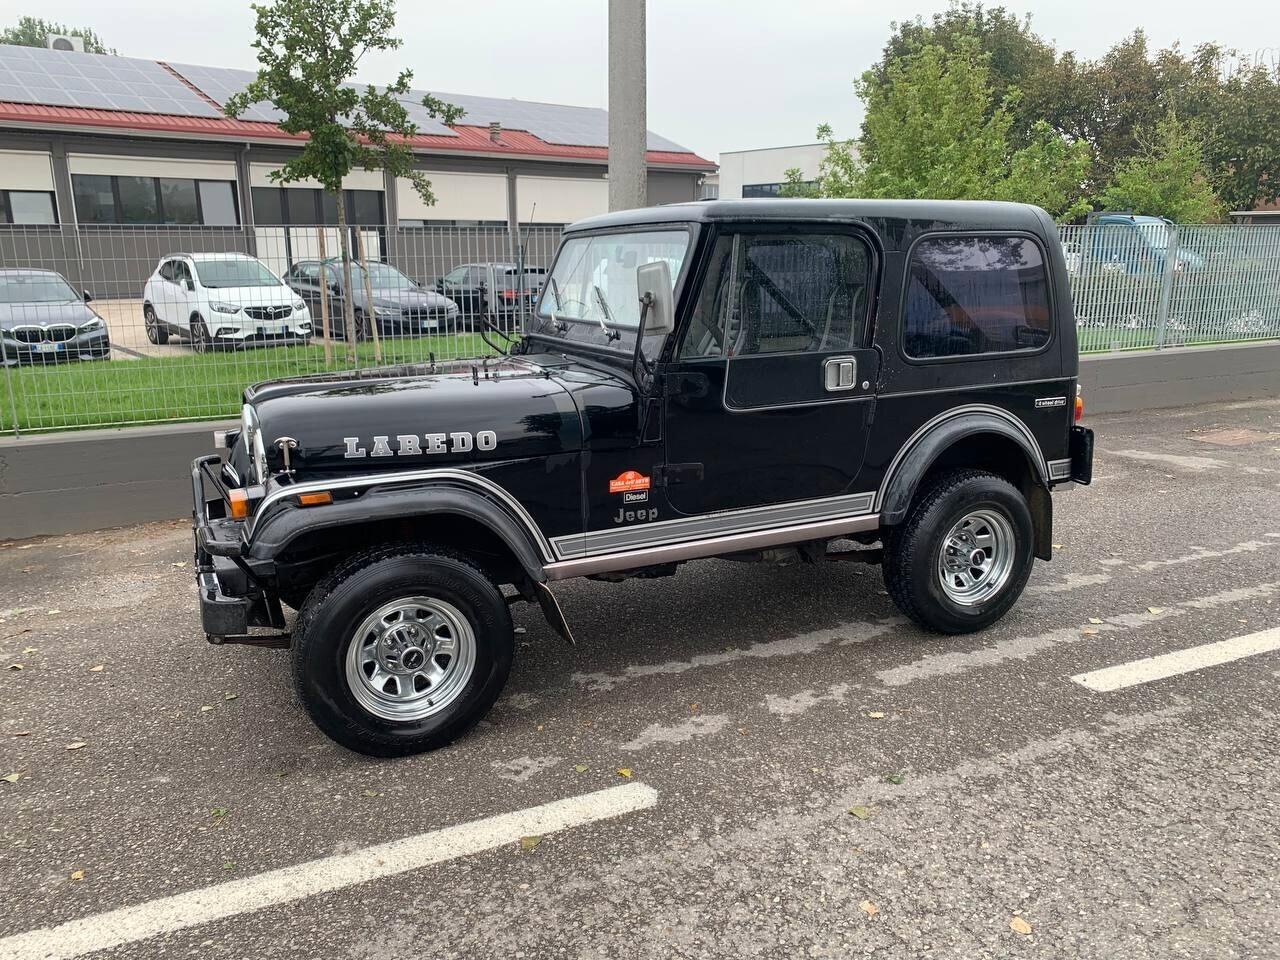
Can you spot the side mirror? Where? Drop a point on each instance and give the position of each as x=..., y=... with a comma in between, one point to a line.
x=653, y=280
x=88, y=297
x=191, y=284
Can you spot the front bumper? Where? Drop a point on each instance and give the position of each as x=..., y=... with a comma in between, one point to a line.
x=91, y=345
x=233, y=598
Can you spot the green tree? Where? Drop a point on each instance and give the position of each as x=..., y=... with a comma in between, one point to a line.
x=1167, y=178
x=795, y=185
x=308, y=52
x=34, y=32
x=933, y=129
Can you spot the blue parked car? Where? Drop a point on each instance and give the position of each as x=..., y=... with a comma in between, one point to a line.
x=1139, y=244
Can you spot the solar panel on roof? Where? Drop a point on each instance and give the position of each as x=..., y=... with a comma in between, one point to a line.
x=70, y=79
x=221, y=83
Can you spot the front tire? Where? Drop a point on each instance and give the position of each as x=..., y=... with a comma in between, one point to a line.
x=961, y=558
x=201, y=342
x=402, y=649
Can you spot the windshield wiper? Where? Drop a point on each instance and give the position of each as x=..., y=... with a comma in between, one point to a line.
x=561, y=326
x=610, y=334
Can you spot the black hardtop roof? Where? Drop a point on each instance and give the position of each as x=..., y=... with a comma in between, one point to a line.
x=933, y=214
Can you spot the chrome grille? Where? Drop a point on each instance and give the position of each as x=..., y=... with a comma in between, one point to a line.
x=54, y=333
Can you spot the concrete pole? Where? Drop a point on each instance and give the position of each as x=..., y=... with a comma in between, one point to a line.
x=628, y=182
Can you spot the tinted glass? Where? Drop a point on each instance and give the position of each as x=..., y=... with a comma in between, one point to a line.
x=95, y=201
x=365, y=206
x=267, y=206
x=178, y=200
x=235, y=273
x=975, y=295
x=31, y=207
x=782, y=293
x=166, y=270
x=36, y=288
x=328, y=207
x=385, y=275
x=138, y=200
x=302, y=206
x=218, y=203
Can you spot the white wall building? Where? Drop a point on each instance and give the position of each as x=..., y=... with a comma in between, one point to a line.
x=761, y=173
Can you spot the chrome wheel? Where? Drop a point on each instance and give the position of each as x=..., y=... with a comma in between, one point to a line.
x=976, y=557
x=410, y=658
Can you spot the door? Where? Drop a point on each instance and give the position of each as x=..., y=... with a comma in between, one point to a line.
x=770, y=397
x=181, y=299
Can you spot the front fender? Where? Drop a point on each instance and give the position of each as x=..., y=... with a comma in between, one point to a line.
x=274, y=534
x=904, y=475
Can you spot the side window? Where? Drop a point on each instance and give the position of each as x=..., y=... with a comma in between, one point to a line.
x=773, y=293
x=166, y=271
x=456, y=275
x=181, y=272
x=307, y=272
x=475, y=276
x=975, y=295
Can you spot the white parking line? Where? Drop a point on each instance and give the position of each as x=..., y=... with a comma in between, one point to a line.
x=168, y=914
x=1181, y=661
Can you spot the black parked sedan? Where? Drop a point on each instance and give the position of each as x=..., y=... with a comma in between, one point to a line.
x=42, y=320
x=402, y=308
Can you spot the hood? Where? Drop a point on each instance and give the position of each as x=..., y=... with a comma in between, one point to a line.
x=43, y=314
x=417, y=417
x=253, y=296
x=404, y=298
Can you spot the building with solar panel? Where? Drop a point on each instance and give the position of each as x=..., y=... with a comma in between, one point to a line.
x=105, y=151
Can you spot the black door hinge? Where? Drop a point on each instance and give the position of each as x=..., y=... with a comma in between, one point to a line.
x=670, y=474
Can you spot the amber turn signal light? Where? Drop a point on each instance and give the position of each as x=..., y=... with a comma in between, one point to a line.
x=315, y=499
x=1079, y=407
x=238, y=502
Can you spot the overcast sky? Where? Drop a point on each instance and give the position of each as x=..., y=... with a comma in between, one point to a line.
x=723, y=74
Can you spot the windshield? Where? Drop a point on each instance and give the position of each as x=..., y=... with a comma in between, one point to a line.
x=235, y=273
x=384, y=275
x=593, y=282
x=35, y=288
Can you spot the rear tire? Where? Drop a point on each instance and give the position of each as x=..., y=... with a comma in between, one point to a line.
x=157, y=332
x=371, y=654
x=964, y=553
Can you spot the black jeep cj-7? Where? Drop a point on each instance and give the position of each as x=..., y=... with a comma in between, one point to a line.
x=884, y=380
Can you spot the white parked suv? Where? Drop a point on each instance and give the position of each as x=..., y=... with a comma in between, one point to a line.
x=222, y=299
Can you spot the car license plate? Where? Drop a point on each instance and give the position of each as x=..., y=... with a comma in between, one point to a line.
x=46, y=347
x=271, y=329
x=430, y=324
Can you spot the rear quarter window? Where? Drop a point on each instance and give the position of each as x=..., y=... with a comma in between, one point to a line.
x=970, y=296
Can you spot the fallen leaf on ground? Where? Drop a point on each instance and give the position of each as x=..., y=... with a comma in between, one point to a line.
x=219, y=811
x=625, y=772
x=372, y=793
x=1018, y=925
x=54, y=613
x=1095, y=620
x=894, y=778
x=16, y=666
x=231, y=696
x=528, y=843
x=98, y=669
x=77, y=745
x=1155, y=609
x=21, y=733
x=11, y=777
x=1089, y=632
x=77, y=874
x=206, y=708
x=228, y=865
x=1057, y=546
x=875, y=715
x=580, y=768
x=862, y=813
x=869, y=908
x=180, y=563
x=28, y=649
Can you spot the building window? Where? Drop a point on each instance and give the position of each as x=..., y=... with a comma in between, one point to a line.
x=309, y=207
x=27, y=206
x=975, y=295
x=172, y=200
x=750, y=190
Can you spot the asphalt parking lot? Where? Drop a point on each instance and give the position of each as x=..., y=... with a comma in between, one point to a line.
x=802, y=773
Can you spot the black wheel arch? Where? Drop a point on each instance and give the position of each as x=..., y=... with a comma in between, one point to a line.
x=456, y=516
x=982, y=440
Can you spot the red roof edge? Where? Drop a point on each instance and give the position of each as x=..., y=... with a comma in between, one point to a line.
x=467, y=139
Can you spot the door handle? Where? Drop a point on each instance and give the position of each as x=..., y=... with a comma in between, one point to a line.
x=840, y=373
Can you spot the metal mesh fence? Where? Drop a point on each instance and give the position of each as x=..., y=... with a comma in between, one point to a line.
x=105, y=326
x=182, y=318
x=1146, y=285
